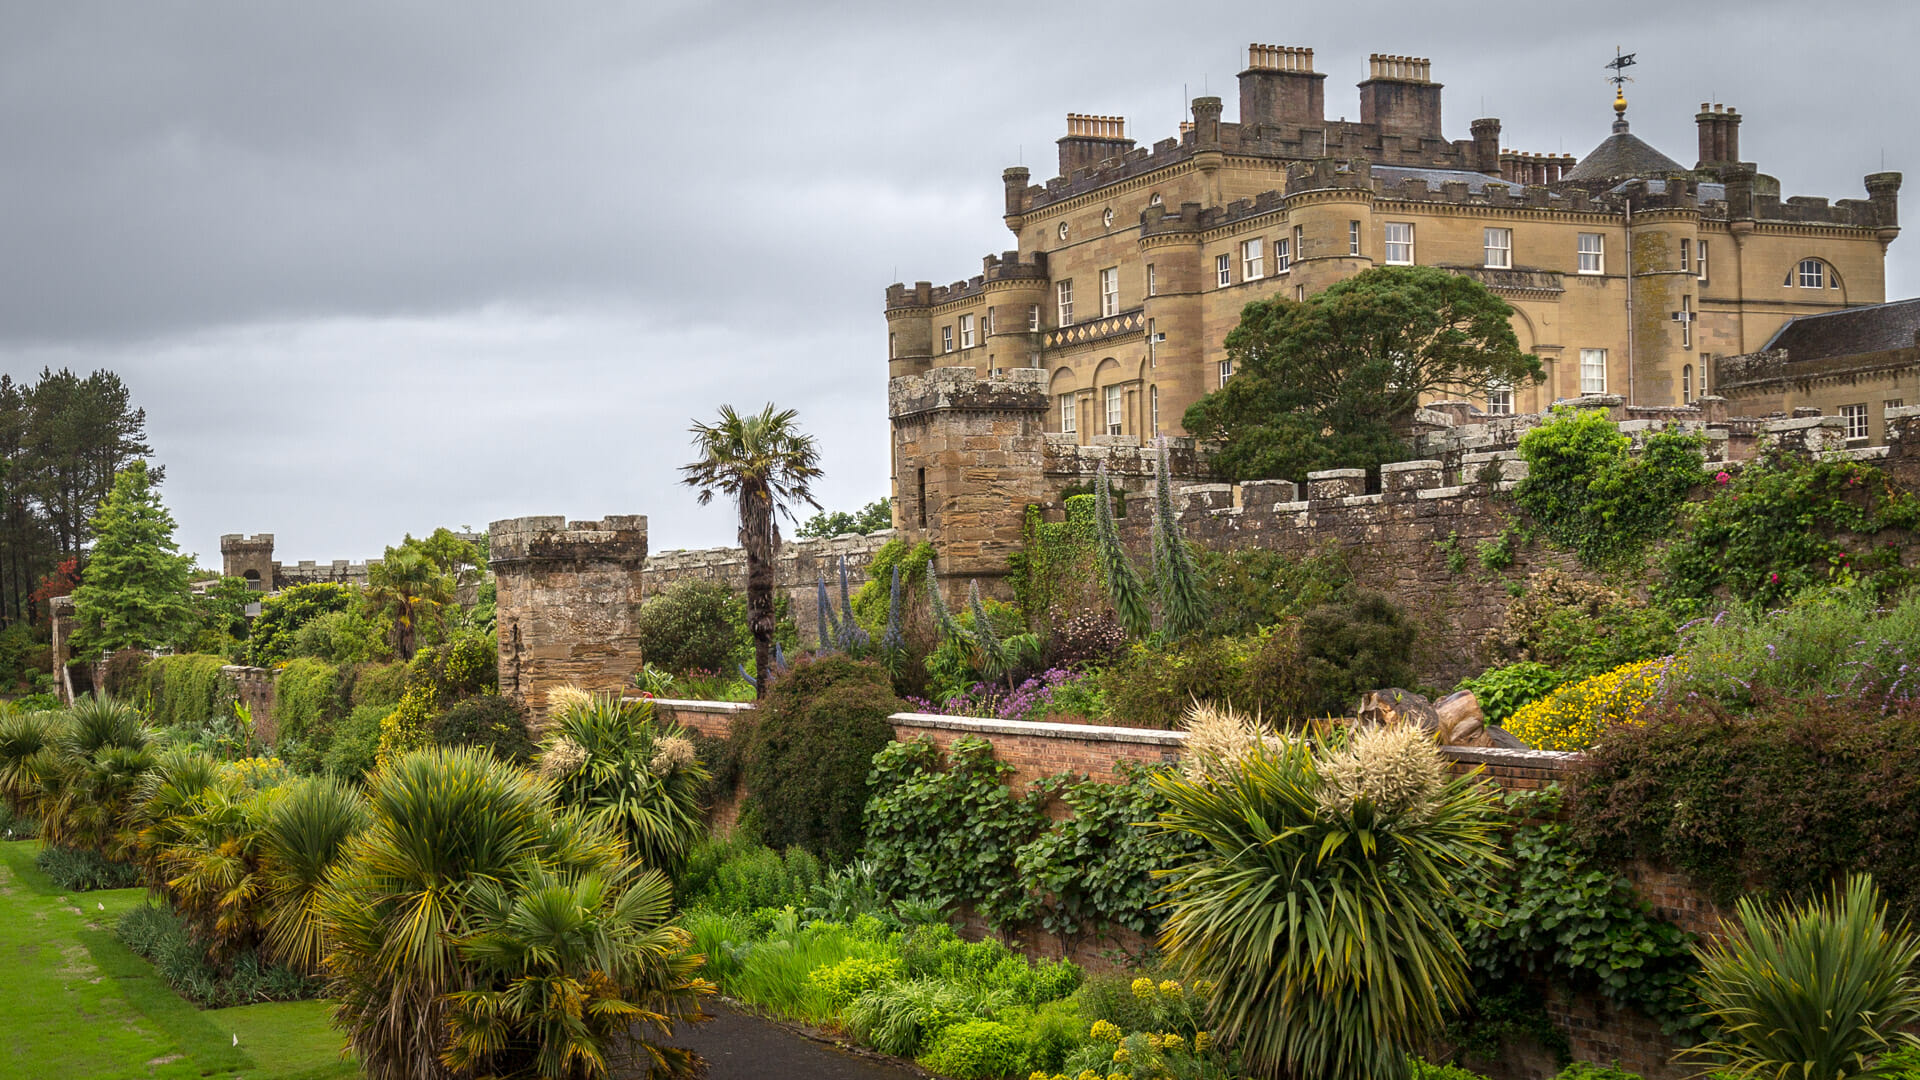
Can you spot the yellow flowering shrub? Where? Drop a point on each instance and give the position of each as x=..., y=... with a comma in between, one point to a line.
x=1574, y=716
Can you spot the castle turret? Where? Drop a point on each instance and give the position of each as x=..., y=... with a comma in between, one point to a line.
x=249, y=558
x=1486, y=146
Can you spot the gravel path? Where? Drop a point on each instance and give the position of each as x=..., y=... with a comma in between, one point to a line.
x=741, y=1047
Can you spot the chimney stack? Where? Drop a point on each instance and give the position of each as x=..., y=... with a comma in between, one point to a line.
x=1091, y=140
x=1401, y=97
x=1719, y=136
x=1486, y=146
x=1281, y=87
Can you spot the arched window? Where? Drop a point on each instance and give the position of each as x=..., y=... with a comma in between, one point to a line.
x=1812, y=274
x=1686, y=385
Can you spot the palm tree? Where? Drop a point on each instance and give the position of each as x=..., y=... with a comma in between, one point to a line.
x=612, y=758
x=301, y=837
x=411, y=588
x=764, y=464
x=1323, y=905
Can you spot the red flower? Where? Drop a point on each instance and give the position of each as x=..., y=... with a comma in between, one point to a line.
x=1773, y=578
x=1723, y=477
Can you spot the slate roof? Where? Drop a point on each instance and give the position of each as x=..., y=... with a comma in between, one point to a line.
x=1622, y=156
x=1852, y=332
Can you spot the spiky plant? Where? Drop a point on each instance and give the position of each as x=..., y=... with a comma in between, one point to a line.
x=1327, y=926
x=1814, y=991
x=211, y=872
x=91, y=778
x=854, y=640
x=894, y=640
x=27, y=740
x=1124, y=586
x=986, y=643
x=829, y=630
x=302, y=836
x=625, y=766
x=1183, y=599
x=169, y=794
x=937, y=602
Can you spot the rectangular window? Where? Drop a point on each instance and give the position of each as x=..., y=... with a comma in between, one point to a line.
x=1153, y=401
x=1892, y=403
x=1116, y=410
x=1856, y=418
x=1299, y=242
x=946, y=339
x=1812, y=271
x=1226, y=370
x=1498, y=244
x=1223, y=270
x=1686, y=384
x=1593, y=253
x=1253, y=259
x=1064, y=291
x=1033, y=318
x=989, y=322
x=966, y=331
x=1282, y=257
x=1153, y=283
x=1686, y=254
x=1499, y=399
x=1700, y=263
x=1299, y=292
x=1706, y=365
x=1069, y=413
x=1593, y=371
x=1109, y=292
x=1153, y=345
x=1399, y=243
x=1353, y=238
x=892, y=346
x=1685, y=316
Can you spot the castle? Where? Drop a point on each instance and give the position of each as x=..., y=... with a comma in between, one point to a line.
x=1630, y=274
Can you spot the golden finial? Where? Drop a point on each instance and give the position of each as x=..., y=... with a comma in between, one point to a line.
x=1620, y=102
x=1618, y=65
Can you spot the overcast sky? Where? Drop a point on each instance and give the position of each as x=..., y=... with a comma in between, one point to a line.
x=377, y=268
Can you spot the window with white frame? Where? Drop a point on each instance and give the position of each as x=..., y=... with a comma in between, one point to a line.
x=1153, y=282
x=1282, y=256
x=988, y=329
x=1685, y=316
x=1223, y=270
x=1069, y=415
x=1153, y=406
x=1593, y=371
x=1253, y=259
x=946, y=339
x=1299, y=242
x=1399, y=243
x=1892, y=403
x=1300, y=292
x=1856, y=418
x=1686, y=254
x=1063, y=294
x=1226, y=370
x=1153, y=344
x=1353, y=238
x=1706, y=366
x=1116, y=410
x=1686, y=384
x=1499, y=398
x=1811, y=274
x=1700, y=260
x=1498, y=244
x=1593, y=253
x=1033, y=316
x=966, y=331
x=1109, y=292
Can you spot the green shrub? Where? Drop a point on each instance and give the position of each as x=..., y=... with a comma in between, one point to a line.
x=1257, y=587
x=1502, y=690
x=730, y=875
x=1153, y=685
x=356, y=743
x=374, y=684
x=1586, y=1070
x=1590, y=494
x=489, y=721
x=305, y=696
x=1422, y=1069
x=1833, y=644
x=905, y=1016
x=187, y=691
x=690, y=626
x=1050, y=1034
x=158, y=935
x=838, y=984
x=1110, y=997
x=1362, y=644
x=341, y=637
x=975, y=1050
x=810, y=747
x=80, y=870
x=126, y=674
x=1094, y=869
x=1779, y=802
x=1581, y=628
x=271, y=638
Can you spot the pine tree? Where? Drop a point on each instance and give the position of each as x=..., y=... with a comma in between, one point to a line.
x=133, y=593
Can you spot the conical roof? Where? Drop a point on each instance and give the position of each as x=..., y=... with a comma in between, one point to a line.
x=1624, y=156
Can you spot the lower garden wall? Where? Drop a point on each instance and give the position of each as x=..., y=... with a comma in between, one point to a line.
x=1596, y=1030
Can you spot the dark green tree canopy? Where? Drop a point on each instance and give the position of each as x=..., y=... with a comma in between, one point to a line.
x=1331, y=381
x=871, y=518
x=133, y=594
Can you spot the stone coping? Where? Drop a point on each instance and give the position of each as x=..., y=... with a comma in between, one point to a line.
x=1082, y=732
x=696, y=705
x=1557, y=760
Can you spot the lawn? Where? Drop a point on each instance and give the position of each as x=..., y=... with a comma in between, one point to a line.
x=79, y=1004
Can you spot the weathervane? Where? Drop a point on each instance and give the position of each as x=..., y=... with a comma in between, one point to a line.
x=1619, y=65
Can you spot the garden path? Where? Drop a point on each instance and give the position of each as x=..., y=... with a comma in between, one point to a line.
x=742, y=1047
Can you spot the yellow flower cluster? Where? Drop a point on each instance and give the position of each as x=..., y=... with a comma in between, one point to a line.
x=256, y=773
x=1574, y=716
x=1106, y=1031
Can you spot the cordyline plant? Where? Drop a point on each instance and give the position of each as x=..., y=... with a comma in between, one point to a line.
x=1323, y=904
x=1176, y=581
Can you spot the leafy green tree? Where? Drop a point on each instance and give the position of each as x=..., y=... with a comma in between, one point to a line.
x=133, y=593
x=220, y=616
x=871, y=518
x=1329, y=382
x=765, y=464
x=1591, y=493
x=283, y=614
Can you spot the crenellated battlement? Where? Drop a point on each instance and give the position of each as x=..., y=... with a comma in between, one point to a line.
x=613, y=539
x=1018, y=389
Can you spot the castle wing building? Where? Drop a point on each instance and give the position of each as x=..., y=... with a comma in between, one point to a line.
x=1628, y=272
